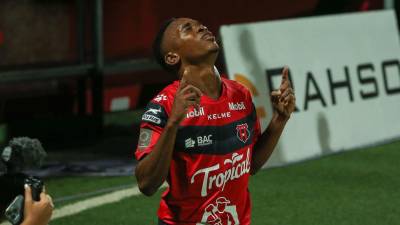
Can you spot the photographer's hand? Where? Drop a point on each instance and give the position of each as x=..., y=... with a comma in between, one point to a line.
x=37, y=213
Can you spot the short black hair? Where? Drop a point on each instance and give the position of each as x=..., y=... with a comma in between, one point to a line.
x=158, y=53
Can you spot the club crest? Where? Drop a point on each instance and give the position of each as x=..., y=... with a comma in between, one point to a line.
x=242, y=132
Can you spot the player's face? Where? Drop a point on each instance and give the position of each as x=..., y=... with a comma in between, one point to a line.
x=190, y=39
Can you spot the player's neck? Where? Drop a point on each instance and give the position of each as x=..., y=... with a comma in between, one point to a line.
x=207, y=79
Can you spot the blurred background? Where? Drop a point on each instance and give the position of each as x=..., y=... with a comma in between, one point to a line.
x=76, y=74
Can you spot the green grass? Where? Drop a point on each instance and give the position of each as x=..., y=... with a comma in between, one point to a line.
x=62, y=187
x=138, y=210
x=357, y=187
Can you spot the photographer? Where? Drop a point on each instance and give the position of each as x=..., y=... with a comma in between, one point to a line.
x=35, y=213
x=23, y=198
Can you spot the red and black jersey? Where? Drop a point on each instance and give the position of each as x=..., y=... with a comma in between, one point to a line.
x=209, y=172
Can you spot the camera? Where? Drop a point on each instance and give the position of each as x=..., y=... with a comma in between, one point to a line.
x=21, y=154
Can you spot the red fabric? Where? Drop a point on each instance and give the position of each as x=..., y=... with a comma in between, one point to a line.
x=207, y=187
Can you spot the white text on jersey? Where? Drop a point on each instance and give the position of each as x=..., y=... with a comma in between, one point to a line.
x=238, y=168
x=204, y=140
x=219, y=116
x=160, y=97
x=195, y=113
x=238, y=106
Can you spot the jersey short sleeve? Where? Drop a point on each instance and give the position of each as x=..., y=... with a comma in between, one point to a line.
x=152, y=124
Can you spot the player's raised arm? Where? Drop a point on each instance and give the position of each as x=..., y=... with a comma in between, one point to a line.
x=283, y=102
x=152, y=170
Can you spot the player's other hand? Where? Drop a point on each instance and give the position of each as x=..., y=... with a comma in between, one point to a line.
x=186, y=96
x=283, y=100
x=37, y=213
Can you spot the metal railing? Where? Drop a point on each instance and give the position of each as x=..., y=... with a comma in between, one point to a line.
x=94, y=70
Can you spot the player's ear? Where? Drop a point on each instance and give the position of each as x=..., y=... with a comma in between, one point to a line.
x=172, y=59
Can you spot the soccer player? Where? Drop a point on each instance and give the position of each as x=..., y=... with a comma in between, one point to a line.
x=201, y=133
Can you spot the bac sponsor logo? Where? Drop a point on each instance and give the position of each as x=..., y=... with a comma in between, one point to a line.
x=242, y=132
x=190, y=143
x=237, y=165
x=195, y=113
x=238, y=106
x=151, y=115
x=160, y=97
x=203, y=140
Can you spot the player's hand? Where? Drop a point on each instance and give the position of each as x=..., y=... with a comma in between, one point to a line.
x=37, y=213
x=283, y=100
x=186, y=96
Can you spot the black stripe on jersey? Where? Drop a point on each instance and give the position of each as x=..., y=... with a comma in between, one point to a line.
x=216, y=140
x=155, y=114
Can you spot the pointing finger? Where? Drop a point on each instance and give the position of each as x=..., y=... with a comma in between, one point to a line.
x=285, y=74
x=285, y=83
x=186, y=74
x=182, y=84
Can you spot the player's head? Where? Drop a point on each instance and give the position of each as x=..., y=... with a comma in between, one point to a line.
x=184, y=41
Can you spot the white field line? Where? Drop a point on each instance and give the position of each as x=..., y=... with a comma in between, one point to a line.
x=90, y=203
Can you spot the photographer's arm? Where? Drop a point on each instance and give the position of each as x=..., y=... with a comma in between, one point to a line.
x=37, y=213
